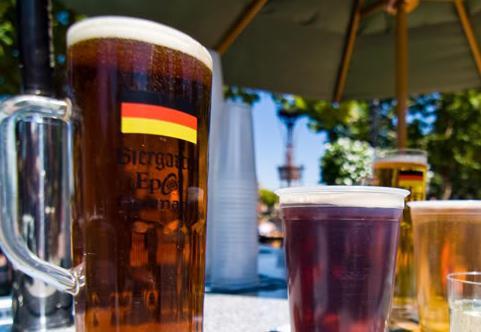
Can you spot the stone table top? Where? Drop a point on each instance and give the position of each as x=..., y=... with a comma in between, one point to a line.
x=238, y=313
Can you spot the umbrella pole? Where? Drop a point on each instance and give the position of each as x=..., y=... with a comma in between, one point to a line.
x=401, y=73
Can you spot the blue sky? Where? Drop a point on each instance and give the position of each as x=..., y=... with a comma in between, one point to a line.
x=269, y=145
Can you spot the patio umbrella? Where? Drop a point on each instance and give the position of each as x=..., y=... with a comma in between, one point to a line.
x=328, y=49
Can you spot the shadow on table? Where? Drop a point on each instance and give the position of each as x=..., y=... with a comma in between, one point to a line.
x=272, y=280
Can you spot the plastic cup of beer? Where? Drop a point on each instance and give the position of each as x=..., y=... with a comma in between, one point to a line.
x=340, y=247
x=464, y=296
x=405, y=169
x=446, y=240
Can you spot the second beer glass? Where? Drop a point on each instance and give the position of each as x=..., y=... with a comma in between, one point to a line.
x=405, y=169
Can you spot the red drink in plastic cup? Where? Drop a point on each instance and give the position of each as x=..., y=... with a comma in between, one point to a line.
x=341, y=247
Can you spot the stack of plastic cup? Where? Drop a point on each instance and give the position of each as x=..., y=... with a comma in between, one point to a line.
x=215, y=140
x=234, y=201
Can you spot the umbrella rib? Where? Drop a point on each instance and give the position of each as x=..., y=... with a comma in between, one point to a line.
x=469, y=33
x=239, y=26
x=374, y=8
x=350, y=41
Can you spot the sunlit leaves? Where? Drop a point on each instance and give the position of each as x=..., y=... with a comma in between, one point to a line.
x=9, y=66
x=244, y=95
x=447, y=125
x=454, y=145
x=346, y=162
x=268, y=198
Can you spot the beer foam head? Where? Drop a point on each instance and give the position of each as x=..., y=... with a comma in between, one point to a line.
x=345, y=196
x=437, y=206
x=140, y=30
x=403, y=156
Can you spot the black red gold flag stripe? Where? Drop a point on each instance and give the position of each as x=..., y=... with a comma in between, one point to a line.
x=138, y=118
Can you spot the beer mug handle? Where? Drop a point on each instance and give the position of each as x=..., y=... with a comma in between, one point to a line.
x=13, y=110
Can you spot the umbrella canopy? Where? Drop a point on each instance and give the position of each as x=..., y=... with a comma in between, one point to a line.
x=329, y=49
x=297, y=46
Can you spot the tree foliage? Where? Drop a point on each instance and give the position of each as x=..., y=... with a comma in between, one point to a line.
x=346, y=162
x=333, y=119
x=9, y=72
x=268, y=198
x=244, y=95
x=9, y=57
x=447, y=125
x=454, y=146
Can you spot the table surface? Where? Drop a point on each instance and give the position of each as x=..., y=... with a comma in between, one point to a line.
x=262, y=309
x=228, y=313
x=245, y=313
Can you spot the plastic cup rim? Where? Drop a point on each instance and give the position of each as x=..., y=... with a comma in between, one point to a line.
x=340, y=189
x=343, y=196
x=416, y=156
x=445, y=204
x=452, y=277
x=405, y=151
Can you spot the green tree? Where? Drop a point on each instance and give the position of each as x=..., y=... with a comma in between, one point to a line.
x=346, y=162
x=9, y=73
x=421, y=114
x=9, y=61
x=324, y=116
x=372, y=121
x=268, y=198
x=248, y=96
x=447, y=125
x=454, y=146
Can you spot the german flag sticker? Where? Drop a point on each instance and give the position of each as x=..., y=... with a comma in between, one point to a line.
x=138, y=118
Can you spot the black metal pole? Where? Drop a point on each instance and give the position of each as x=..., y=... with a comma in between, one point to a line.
x=38, y=306
x=35, y=46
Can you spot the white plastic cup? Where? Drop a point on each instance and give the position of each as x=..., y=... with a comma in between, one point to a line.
x=217, y=108
x=233, y=227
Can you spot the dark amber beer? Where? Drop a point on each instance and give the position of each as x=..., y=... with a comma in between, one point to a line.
x=141, y=94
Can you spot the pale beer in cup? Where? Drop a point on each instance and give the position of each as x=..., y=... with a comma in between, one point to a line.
x=405, y=169
x=446, y=240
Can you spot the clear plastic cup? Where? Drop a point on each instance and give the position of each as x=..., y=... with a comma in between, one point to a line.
x=464, y=296
x=446, y=240
x=340, y=247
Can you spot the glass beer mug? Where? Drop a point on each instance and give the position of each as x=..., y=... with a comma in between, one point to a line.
x=138, y=109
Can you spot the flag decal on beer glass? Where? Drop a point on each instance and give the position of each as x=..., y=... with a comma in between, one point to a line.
x=139, y=118
x=410, y=178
